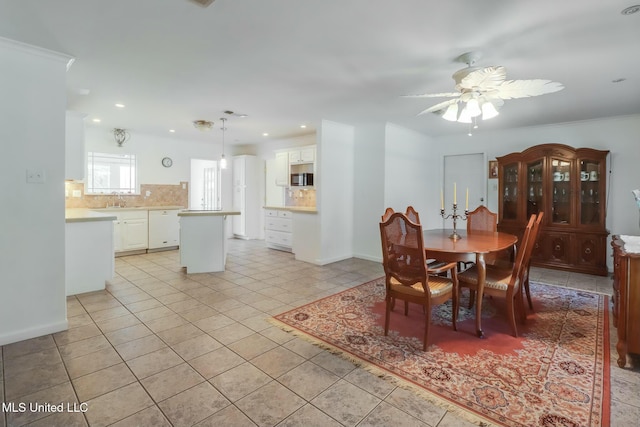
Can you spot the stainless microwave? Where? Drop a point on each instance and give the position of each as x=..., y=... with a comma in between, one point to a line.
x=301, y=179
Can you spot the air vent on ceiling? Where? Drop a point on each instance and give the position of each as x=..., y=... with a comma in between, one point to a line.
x=203, y=3
x=631, y=10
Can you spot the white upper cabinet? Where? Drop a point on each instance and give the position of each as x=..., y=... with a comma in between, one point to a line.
x=303, y=155
x=74, y=146
x=282, y=169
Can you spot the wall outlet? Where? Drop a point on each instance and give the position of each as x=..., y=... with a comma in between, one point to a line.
x=35, y=176
x=77, y=193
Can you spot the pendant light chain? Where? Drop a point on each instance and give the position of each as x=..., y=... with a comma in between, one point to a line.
x=223, y=160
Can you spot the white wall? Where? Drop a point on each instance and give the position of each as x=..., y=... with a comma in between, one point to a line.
x=151, y=149
x=368, y=201
x=335, y=191
x=32, y=246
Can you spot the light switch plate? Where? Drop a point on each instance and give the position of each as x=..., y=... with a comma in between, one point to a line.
x=77, y=193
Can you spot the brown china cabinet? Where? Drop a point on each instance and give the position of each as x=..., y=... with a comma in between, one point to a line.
x=626, y=299
x=568, y=185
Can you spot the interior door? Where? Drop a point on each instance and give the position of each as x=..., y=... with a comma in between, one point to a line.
x=467, y=171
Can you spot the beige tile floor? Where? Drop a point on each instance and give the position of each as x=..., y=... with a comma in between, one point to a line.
x=162, y=348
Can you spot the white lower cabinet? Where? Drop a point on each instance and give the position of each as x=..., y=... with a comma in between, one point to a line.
x=164, y=228
x=131, y=231
x=278, y=229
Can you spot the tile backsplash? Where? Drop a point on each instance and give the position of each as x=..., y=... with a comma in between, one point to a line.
x=301, y=198
x=159, y=195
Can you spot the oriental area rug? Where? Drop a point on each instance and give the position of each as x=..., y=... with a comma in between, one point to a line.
x=556, y=373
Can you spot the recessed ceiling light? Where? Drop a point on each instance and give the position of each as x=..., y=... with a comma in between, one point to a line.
x=631, y=10
x=621, y=79
x=303, y=126
x=120, y=105
x=172, y=130
x=96, y=120
x=265, y=134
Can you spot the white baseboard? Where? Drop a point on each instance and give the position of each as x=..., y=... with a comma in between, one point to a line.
x=38, y=331
x=368, y=257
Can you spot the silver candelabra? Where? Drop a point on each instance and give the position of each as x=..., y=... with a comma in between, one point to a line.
x=454, y=236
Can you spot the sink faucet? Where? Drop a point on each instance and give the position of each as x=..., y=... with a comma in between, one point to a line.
x=117, y=197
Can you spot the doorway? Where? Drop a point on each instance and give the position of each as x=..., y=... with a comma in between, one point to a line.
x=467, y=171
x=204, y=185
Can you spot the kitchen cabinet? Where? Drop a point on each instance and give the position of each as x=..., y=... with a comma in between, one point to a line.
x=246, y=197
x=299, y=160
x=282, y=168
x=74, y=166
x=88, y=250
x=203, y=243
x=164, y=228
x=569, y=186
x=131, y=231
x=626, y=298
x=303, y=155
x=278, y=229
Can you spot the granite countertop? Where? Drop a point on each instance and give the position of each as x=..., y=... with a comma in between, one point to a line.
x=206, y=213
x=303, y=209
x=137, y=208
x=87, y=215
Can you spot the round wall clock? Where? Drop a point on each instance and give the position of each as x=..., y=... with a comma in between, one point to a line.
x=167, y=162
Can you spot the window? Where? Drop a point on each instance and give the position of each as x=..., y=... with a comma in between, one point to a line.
x=111, y=173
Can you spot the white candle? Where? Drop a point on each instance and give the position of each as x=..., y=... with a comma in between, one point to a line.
x=466, y=206
x=455, y=201
x=441, y=199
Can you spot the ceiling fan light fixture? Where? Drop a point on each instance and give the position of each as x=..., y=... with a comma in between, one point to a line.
x=473, y=108
x=489, y=111
x=203, y=125
x=465, y=117
x=452, y=113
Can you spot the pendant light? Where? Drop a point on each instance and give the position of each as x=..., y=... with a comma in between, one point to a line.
x=223, y=161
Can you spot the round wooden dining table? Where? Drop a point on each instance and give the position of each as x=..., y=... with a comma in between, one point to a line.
x=471, y=247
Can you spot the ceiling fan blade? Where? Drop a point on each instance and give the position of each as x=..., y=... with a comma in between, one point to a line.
x=433, y=95
x=439, y=106
x=512, y=89
x=484, y=78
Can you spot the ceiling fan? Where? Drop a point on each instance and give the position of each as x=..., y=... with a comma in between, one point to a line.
x=481, y=90
x=203, y=3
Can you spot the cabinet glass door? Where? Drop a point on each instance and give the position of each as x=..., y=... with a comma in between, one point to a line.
x=534, y=188
x=510, y=191
x=561, y=191
x=589, y=192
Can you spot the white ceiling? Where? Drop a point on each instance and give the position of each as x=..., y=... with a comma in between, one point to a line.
x=292, y=62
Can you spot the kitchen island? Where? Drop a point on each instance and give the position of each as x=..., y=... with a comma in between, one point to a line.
x=203, y=240
x=88, y=246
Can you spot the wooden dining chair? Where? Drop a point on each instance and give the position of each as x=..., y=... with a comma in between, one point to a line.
x=406, y=273
x=506, y=282
x=482, y=219
x=534, y=237
x=435, y=266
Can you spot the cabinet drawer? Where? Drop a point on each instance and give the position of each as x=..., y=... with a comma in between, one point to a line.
x=284, y=214
x=279, y=224
x=270, y=212
x=279, y=238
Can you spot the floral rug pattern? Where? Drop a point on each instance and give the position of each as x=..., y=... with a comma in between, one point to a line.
x=556, y=373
